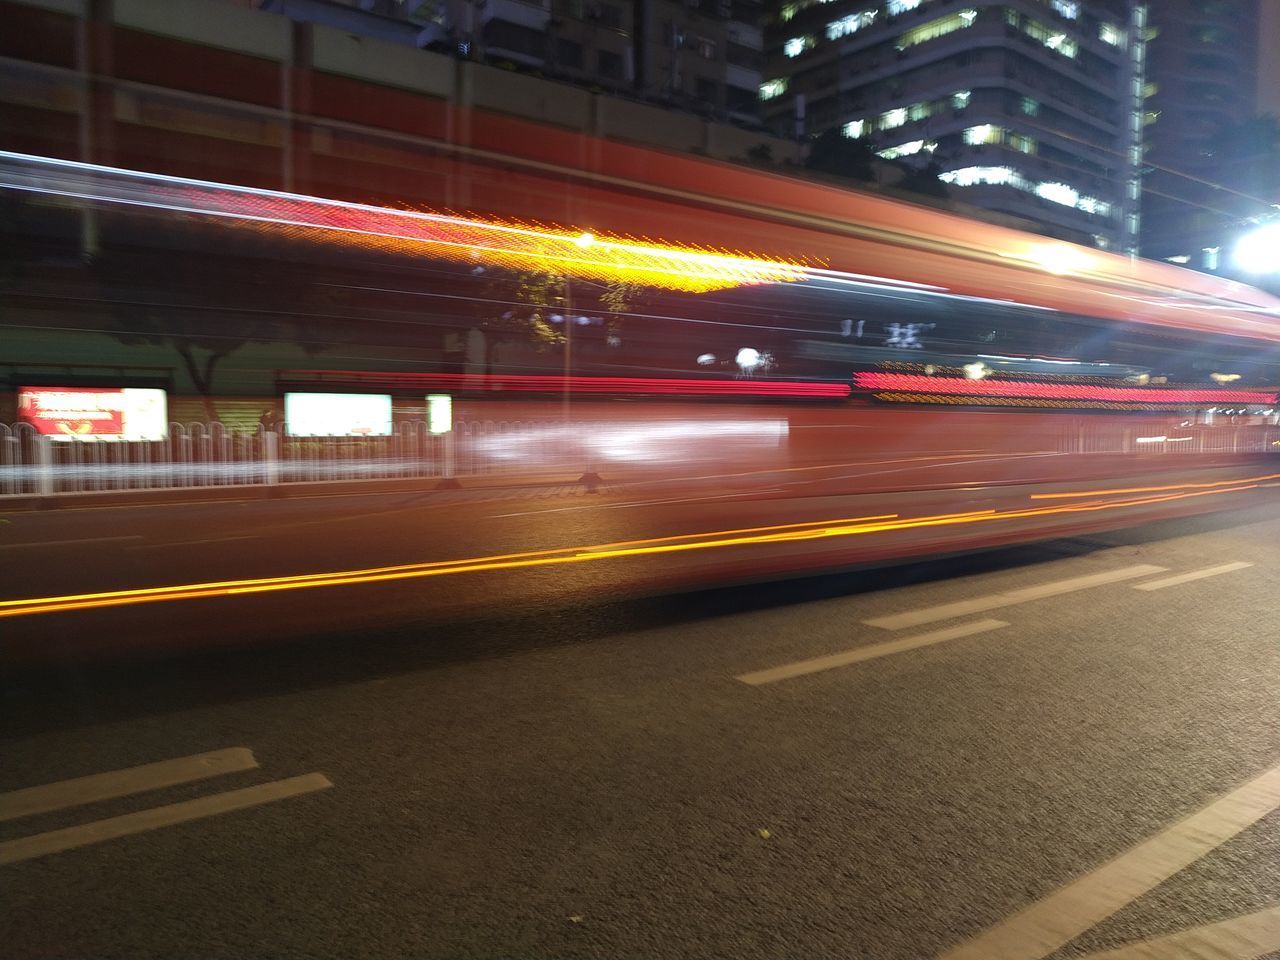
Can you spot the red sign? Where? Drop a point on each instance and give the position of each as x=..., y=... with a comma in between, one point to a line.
x=91, y=413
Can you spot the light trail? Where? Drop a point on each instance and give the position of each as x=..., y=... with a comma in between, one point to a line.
x=1177, y=486
x=745, y=537
x=510, y=243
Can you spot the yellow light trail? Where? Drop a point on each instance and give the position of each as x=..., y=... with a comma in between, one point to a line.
x=1176, y=486
x=749, y=536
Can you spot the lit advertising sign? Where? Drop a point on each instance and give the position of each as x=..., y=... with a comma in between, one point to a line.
x=337, y=414
x=95, y=413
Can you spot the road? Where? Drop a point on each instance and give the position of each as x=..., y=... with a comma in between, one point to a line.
x=986, y=757
x=172, y=575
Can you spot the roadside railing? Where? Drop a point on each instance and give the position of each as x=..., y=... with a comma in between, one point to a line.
x=199, y=455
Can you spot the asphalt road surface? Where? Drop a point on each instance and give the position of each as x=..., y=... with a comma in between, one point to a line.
x=1058, y=751
x=257, y=570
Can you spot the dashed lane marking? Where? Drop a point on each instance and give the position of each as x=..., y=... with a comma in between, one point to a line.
x=1008, y=598
x=57, y=841
x=817, y=664
x=1249, y=937
x=1193, y=575
x=120, y=783
x=1052, y=923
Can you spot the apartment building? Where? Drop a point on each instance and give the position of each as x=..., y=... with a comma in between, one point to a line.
x=1030, y=108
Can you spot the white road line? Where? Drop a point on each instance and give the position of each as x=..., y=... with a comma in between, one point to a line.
x=1241, y=938
x=120, y=783
x=56, y=841
x=66, y=543
x=963, y=608
x=189, y=543
x=1059, y=918
x=818, y=664
x=1193, y=575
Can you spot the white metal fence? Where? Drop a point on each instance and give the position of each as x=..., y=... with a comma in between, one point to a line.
x=201, y=455
x=209, y=455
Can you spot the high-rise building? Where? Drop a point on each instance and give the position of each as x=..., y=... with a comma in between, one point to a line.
x=1203, y=82
x=1030, y=108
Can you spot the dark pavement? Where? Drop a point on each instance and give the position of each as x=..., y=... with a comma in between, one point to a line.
x=590, y=780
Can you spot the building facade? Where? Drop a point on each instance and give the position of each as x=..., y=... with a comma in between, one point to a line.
x=1031, y=108
x=1203, y=82
x=703, y=56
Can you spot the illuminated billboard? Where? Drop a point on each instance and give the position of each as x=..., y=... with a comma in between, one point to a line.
x=337, y=414
x=95, y=413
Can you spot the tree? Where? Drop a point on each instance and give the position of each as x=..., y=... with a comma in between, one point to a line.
x=831, y=152
x=203, y=307
x=535, y=307
x=924, y=181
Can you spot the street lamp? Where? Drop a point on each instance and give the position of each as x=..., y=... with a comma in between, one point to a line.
x=1258, y=251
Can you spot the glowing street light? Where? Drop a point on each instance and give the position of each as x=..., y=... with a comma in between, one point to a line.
x=1258, y=251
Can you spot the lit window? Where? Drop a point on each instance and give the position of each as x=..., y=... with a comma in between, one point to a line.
x=773, y=88
x=789, y=10
x=1053, y=39
x=855, y=129
x=1022, y=143
x=1067, y=8
x=797, y=45
x=896, y=7
x=1058, y=193
x=1211, y=257
x=937, y=28
x=1110, y=33
x=983, y=133
x=1180, y=258
x=1030, y=107
x=975, y=176
x=960, y=99
x=909, y=149
x=1061, y=193
x=918, y=111
x=893, y=118
x=850, y=24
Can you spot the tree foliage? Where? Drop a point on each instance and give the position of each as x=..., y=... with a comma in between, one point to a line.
x=832, y=153
x=204, y=308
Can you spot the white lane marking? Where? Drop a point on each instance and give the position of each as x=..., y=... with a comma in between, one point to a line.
x=818, y=664
x=65, y=543
x=57, y=841
x=1248, y=937
x=635, y=503
x=1007, y=598
x=1059, y=918
x=120, y=783
x=188, y=543
x=1193, y=575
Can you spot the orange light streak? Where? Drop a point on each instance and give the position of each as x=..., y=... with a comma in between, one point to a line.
x=1176, y=486
x=751, y=536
